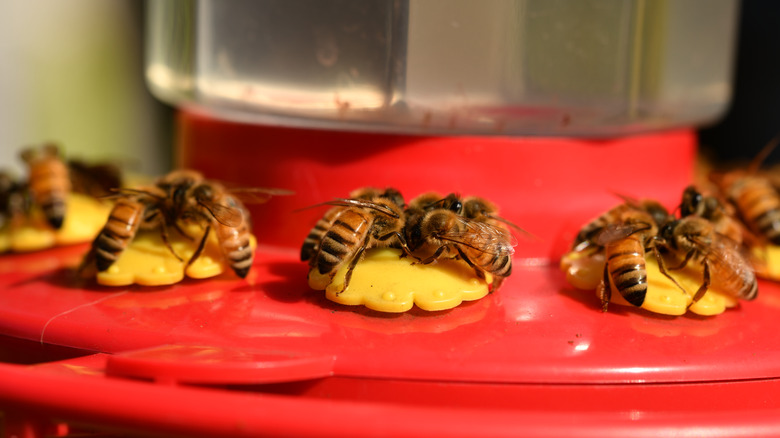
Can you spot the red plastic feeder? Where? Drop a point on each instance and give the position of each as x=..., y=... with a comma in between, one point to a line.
x=268, y=356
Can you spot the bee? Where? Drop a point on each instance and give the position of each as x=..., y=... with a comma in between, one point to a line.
x=14, y=200
x=441, y=229
x=754, y=196
x=694, y=239
x=124, y=221
x=624, y=234
x=49, y=182
x=756, y=201
x=624, y=245
x=358, y=225
x=721, y=214
x=311, y=244
x=182, y=196
x=419, y=207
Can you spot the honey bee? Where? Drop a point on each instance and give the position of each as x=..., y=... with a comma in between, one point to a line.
x=14, y=200
x=756, y=201
x=311, y=244
x=722, y=215
x=624, y=245
x=694, y=239
x=182, y=196
x=623, y=235
x=358, y=225
x=124, y=221
x=754, y=195
x=419, y=207
x=49, y=182
x=440, y=228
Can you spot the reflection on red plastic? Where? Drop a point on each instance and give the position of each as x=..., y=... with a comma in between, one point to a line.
x=199, y=364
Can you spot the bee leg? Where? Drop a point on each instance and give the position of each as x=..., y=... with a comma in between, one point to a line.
x=605, y=290
x=685, y=261
x=352, y=264
x=201, y=245
x=704, y=285
x=164, y=235
x=182, y=232
x=434, y=256
x=87, y=268
x=402, y=240
x=662, y=267
x=479, y=272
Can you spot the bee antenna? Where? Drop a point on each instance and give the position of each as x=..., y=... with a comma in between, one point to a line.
x=627, y=199
x=128, y=191
x=342, y=202
x=763, y=154
x=513, y=225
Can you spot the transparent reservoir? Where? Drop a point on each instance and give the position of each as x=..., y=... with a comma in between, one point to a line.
x=503, y=67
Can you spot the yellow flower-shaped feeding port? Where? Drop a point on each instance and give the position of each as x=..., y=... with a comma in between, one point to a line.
x=766, y=261
x=385, y=282
x=585, y=271
x=148, y=262
x=84, y=219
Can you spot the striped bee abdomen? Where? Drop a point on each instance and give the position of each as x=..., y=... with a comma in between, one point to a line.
x=120, y=229
x=626, y=267
x=497, y=264
x=343, y=238
x=50, y=185
x=759, y=204
x=236, y=247
x=312, y=242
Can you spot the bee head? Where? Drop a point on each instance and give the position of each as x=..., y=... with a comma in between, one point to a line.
x=438, y=222
x=476, y=207
x=394, y=196
x=666, y=232
x=691, y=202
x=450, y=202
x=658, y=212
x=203, y=193
x=453, y=203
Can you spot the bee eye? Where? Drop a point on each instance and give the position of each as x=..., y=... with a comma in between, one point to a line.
x=178, y=194
x=456, y=206
x=203, y=192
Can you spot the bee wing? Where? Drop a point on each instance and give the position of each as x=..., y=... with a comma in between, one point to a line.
x=629, y=200
x=613, y=232
x=258, y=195
x=513, y=226
x=125, y=191
x=362, y=203
x=724, y=251
x=228, y=216
x=482, y=236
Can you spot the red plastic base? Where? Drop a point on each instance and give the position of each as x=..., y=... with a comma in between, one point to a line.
x=269, y=356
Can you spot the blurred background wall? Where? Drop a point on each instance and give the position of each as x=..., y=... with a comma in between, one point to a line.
x=72, y=72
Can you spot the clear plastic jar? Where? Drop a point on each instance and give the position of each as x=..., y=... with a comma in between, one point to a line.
x=508, y=67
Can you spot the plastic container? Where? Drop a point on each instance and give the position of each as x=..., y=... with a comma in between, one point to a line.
x=528, y=67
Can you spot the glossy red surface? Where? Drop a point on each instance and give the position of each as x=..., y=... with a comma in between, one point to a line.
x=536, y=329
x=536, y=357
